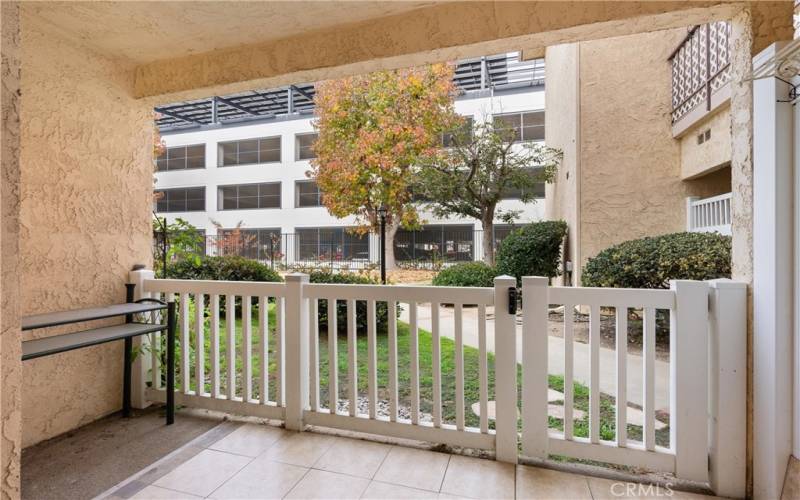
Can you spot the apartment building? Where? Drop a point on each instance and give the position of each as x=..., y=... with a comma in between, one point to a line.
x=242, y=160
x=665, y=165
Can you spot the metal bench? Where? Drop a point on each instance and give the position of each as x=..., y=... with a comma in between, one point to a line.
x=36, y=348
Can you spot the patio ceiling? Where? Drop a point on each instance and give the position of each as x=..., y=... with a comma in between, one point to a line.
x=141, y=32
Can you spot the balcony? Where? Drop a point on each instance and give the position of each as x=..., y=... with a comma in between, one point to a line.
x=708, y=215
x=700, y=75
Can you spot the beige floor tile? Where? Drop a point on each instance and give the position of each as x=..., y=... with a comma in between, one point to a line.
x=155, y=493
x=536, y=483
x=478, y=478
x=203, y=473
x=250, y=440
x=301, y=448
x=606, y=489
x=261, y=478
x=354, y=457
x=318, y=484
x=385, y=491
x=421, y=469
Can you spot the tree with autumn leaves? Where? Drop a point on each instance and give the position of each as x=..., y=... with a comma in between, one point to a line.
x=373, y=130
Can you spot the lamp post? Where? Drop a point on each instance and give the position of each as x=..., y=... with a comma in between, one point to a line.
x=382, y=215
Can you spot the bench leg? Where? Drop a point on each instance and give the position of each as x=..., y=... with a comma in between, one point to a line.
x=171, y=325
x=126, y=382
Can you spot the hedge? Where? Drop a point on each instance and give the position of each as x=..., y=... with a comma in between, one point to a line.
x=466, y=274
x=222, y=268
x=381, y=309
x=651, y=262
x=533, y=250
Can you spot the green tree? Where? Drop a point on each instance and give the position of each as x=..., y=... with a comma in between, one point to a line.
x=372, y=130
x=481, y=166
x=184, y=242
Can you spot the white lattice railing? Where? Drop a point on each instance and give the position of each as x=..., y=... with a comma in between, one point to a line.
x=709, y=214
x=263, y=356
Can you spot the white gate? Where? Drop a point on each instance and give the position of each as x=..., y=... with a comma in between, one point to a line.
x=275, y=367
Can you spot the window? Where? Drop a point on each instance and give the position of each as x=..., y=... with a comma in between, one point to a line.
x=304, y=146
x=330, y=244
x=520, y=127
x=449, y=243
x=464, y=132
x=192, y=199
x=249, y=196
x=307, y=194
x=249, y=151
x=260, y=244
x=536, y=193
x=182, y=158
x=503, y=230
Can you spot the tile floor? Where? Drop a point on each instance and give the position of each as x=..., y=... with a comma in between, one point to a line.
x=242, y=461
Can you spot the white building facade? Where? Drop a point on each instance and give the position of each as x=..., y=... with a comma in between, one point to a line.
x=232, y=161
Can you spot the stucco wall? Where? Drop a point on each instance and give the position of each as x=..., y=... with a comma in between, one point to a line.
x=613, y=120
x=699, y=159
x=10, y=364
x=86, y=189
x=561, y=131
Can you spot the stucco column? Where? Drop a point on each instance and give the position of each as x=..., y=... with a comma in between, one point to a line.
x=742, y=190
x=10, y=335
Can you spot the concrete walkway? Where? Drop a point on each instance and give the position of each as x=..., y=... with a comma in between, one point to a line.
x=581, y=365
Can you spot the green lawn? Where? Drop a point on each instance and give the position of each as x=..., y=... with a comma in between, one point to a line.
x=471, y=382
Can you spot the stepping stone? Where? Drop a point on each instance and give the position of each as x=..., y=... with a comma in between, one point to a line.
x=636, y=417
x=491, y=411
x=557, y=411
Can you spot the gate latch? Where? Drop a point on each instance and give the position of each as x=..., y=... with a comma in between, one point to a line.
x=512, y=300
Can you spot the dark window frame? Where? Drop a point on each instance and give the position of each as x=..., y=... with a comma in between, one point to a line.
x=258, y=185
x=520, y=127
x=539, y=190
x=166, y=158
x=298, y=148
x=297, y=194
x=221, y=155
x=172, y=196
x=348, y=246
x=439, y=241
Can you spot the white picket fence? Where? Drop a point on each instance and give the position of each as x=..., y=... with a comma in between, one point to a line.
x=707, y=353
x=709, y=214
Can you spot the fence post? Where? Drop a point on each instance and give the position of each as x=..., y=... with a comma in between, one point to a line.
x=505, y=340
x=728, y=387
x=688, y=354
x=141, y=364
x=534, y=367
x=296, y=354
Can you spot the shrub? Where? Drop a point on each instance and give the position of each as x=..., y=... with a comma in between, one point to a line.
x=466, y=274
x=651, y=262
x=224, y=268
x=533, y=250
x=381, y=309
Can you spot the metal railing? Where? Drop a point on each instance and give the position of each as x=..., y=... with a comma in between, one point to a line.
x=700, y=67
x=412, y=249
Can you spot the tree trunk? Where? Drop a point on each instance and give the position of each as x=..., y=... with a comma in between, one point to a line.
x=488, y=237
x=391, y=231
